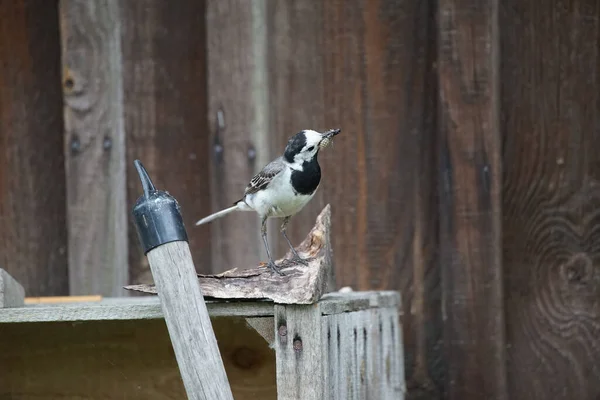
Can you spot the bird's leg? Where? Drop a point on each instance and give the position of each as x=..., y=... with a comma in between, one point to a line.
x=296, y=257
x=263, y=232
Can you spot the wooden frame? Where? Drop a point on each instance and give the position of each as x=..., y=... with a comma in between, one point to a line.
x=346, y=346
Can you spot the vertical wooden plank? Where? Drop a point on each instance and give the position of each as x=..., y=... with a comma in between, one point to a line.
x=340, y=367
x=551, y=113
x=238, y=114
x=346, y=357
x=164, y=81
x=94, y=147
x=331, y=384
x=470, y=178
x=299, y=352
x=393, y=348
x=364, y=355
x=33, y=237
x=380, y=87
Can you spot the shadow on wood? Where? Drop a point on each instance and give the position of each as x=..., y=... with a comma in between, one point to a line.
x=300, y=284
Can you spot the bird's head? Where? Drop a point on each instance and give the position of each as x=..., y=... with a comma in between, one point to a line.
x=305, y=145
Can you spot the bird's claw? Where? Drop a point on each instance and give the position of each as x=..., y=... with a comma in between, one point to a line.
x=299, y=260
x=275, y=268
x=295, y=260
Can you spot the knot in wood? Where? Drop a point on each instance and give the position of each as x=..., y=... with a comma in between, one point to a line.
x=69, y=83
x=578, y=270
x=245, y=358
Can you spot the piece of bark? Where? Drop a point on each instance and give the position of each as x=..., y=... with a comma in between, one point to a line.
x=300, y=284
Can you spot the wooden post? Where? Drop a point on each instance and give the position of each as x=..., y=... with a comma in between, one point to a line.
x=470, y=195
x=164, y=239
x=94, y=147
x=33, y=235
x=300, y=352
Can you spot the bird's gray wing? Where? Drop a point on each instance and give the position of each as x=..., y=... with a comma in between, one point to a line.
x=265, y=176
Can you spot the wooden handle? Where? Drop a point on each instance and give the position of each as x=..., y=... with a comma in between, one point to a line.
x=189, y=325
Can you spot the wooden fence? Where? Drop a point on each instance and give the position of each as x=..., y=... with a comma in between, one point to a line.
x=467, y=174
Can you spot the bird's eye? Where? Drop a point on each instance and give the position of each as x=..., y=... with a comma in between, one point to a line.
x=311, y=148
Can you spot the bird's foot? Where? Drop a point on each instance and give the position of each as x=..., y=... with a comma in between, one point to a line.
x=299, y=260
x=295, y=260
x=274, y=268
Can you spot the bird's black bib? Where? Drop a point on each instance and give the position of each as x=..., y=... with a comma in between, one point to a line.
x=306, y=181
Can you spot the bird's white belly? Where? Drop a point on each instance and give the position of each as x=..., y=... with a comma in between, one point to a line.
x=278, y=203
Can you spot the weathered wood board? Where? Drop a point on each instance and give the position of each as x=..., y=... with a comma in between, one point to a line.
x=188, y=322
x=470, y=193
x=550, y=85
x=94, y=147
x=33, y=237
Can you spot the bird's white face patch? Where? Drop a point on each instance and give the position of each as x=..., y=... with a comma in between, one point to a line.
x=313, y=139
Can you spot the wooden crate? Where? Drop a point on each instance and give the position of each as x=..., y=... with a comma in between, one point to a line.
x=347, y=346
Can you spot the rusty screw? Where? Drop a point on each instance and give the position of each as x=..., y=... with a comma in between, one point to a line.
x=298, y=345
x=282, y=331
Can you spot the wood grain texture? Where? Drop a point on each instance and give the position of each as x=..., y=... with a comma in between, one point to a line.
x=470, y=196
x=188, y=322
x=92, y=361
x=248, y=359
x=551, y=114
x=363, y=355
x=300, y=285
x=380, y=87
x=122, y=359
x=299, y=350
x=12, y=293
x=164, y=80
x=238, y=114
x=33, y=238
x=94, y=147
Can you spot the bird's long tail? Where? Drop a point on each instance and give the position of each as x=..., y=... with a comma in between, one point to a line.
x=219, y=214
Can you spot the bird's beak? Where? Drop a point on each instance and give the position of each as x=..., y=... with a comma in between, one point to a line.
x=331, y=133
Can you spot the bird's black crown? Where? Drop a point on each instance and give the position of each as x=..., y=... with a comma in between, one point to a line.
x=294, y=146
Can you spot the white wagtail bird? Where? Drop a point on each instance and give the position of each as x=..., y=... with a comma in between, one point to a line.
x=284, y=186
